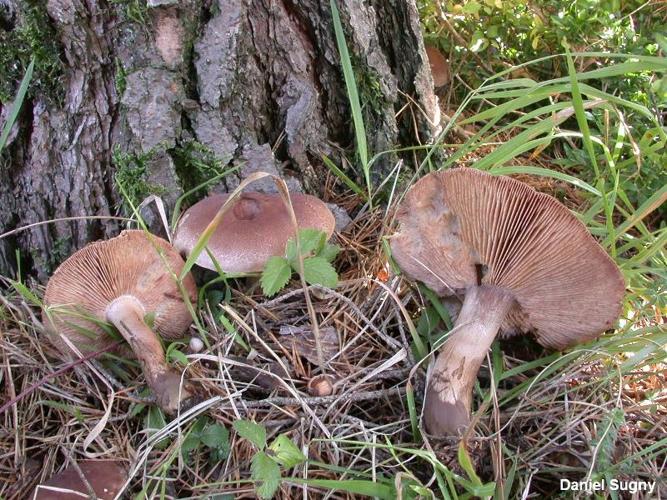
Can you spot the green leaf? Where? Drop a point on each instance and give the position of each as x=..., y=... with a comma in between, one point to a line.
x=472, y=7
x=311, y=240
x=251, y=431
x=329, y=252
x=216, y=436
x=275, y=276
x=18, y=102
x=354, y=486
x=317, y=271
x=352, y=95
x=176, y=355
x=286, y=453
x=266, y=473
x=155, y=421
x=189, y=443
x=466, y=465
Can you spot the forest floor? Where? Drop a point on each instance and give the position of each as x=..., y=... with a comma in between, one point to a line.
x=596, y=411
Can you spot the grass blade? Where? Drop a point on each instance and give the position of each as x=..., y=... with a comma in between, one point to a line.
x=18, y=102
x=352, y=95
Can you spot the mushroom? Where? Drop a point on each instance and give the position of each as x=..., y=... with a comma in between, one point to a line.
x=254, y=229
x=125, y=281
x=439, y=66
x=105, y=477
x=524, y=262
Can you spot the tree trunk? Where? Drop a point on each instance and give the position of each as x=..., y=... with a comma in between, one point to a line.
x=149, y=90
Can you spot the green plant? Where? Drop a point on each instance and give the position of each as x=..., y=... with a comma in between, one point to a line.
x=267, y=462
x=120, y=77
x=196, y=164
x=353, y=98
x=205, y=434
x=503, y=33
x=317, y=257
x=16, y=106
x=133, y=10
x=132, y=177
x=32, y=42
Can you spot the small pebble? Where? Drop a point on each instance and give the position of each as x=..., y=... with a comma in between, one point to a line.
x=196, y=344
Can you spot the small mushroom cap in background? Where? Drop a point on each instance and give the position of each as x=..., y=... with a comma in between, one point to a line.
x=463, y=227
x=106, y=477
x=254, y=229
x=439, y=66
x=91, y=278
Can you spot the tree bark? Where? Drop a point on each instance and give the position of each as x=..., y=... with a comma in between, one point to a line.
x=258, y=82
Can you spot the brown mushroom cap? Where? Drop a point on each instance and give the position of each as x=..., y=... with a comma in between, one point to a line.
x=439, y=66
x=463, y=227
x=84, y=286
x=254, y=229
x=106, y=478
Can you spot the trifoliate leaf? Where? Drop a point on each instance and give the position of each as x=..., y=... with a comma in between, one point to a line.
x=329, y=252
x=286, y=453
x=251, y=431
x=311, y=241
x=318, y=271
x=275, y=276
x=266, y=474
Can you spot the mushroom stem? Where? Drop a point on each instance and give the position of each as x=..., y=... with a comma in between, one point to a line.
x=126, y=313
x=452, y=375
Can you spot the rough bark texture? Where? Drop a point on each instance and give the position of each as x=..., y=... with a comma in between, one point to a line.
x=252, y=81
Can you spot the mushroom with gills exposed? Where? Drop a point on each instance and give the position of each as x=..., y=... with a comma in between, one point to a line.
x=524, y=262
x=105, y=477
x=124, y=280
x=255, y=228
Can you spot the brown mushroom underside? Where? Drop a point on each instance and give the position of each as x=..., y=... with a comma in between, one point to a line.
x=524, y=263
x=460, y=225
x=127, y=280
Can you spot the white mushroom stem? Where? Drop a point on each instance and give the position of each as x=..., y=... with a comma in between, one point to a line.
x=453, y=374
x=126, y=313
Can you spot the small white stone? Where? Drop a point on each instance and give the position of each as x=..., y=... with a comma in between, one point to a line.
x=196, y=344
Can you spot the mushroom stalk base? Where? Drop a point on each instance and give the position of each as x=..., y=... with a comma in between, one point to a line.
x=452, y=375
x=126, y=313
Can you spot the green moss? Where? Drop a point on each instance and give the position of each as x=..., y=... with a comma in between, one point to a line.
x=132, y=10
x=58, y=253
x=371, y=97
x=34, y=35
x=131, y=178
x=120, y=77
x=195, y=164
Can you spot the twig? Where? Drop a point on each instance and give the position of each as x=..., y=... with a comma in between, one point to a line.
x=325, y=400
